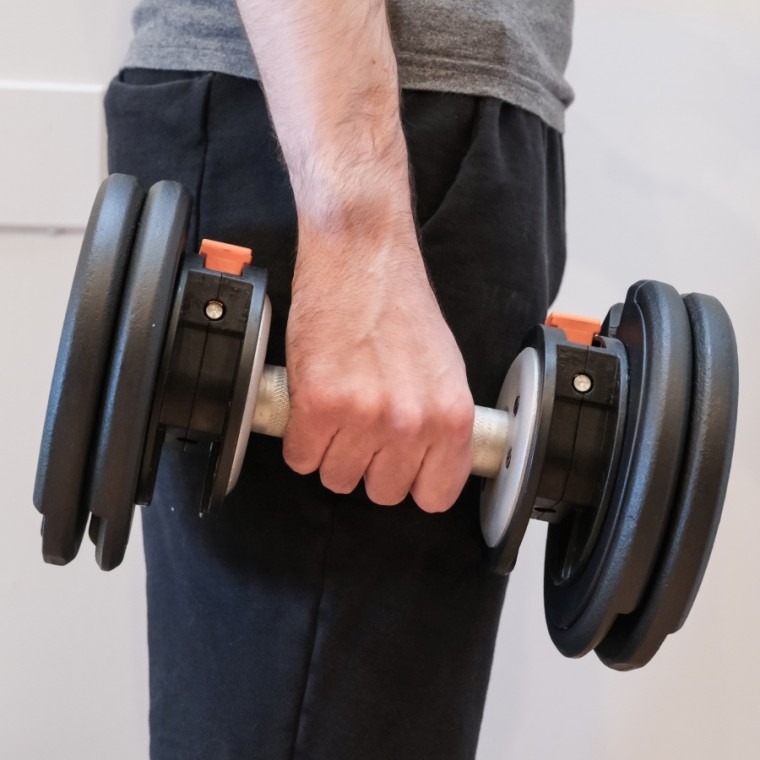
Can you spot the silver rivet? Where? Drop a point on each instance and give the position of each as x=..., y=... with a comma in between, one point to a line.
x=582, y=383
x=214, y=310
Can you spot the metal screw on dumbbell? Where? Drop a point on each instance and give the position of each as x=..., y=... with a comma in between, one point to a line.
x=618, y=435
x=214, y=310
x=582, y=383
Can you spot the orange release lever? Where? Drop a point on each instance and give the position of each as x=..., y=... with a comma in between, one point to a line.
x=577, y=329
x=225, y=257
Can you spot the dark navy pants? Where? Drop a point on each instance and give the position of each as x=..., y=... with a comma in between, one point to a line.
x=299, y=624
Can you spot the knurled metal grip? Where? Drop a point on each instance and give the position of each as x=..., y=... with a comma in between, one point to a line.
x=272, y=410
x=490, y=431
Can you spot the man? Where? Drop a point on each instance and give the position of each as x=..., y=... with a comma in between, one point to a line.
x=307, y=621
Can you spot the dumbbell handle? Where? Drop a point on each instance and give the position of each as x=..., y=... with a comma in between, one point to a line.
x=490, y=430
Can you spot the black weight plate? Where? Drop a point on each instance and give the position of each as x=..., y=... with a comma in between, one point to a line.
x=83, y=353
x=137, y=348
x=635, y=638
x=654, y=327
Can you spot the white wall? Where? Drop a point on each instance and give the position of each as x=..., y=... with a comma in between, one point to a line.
x=663, y=181
x=55, y=59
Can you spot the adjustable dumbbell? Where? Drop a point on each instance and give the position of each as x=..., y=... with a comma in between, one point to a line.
x=619, y=435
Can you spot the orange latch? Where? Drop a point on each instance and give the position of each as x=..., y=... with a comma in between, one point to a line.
x=224, y=257
x=577, y=329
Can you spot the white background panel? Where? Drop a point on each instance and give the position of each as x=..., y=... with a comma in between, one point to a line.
x=51, y=153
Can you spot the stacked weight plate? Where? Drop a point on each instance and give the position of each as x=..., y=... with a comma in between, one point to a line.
x=640, y=578
x=106, y=367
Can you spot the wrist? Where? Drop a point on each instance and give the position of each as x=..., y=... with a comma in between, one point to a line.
x=355, y=223
x=356, y=208
x=367, y=260
x=341, y=182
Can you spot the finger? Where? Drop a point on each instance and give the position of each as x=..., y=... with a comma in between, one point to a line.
x=345, y=461
x=394, y=467
x=391, y=474
x=442, y=475
x=306, y=440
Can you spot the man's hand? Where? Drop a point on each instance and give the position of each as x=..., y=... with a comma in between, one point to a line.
x=378, y=385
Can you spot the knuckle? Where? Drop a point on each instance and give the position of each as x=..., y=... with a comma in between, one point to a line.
x=407, y=422
x=314, y=401
x=463, y=416
x=323, y=401
x=364, y=408
x=458, y=418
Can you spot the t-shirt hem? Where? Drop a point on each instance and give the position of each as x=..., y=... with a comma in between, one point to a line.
x=476, y=78
x=415, y=73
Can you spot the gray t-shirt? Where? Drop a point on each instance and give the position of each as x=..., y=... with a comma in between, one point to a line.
x=514, y=50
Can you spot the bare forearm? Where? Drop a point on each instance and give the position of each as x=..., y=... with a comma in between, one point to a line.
x=330, y=78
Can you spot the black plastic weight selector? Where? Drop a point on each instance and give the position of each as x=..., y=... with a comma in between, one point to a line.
x=629, y=467
x=593, y=437
x=574, y=447
x=203, y=385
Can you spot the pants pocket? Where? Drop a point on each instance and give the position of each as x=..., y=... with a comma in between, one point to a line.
x=156, y=123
